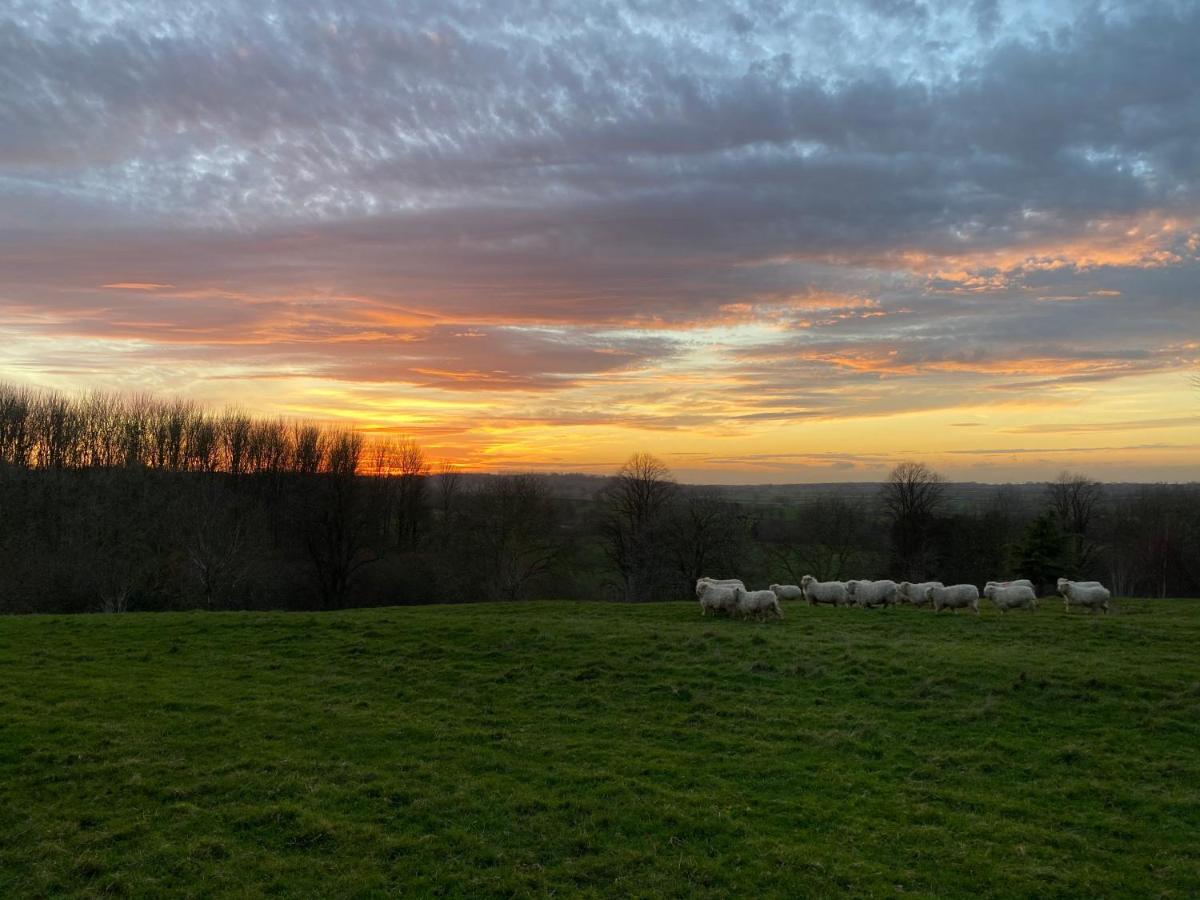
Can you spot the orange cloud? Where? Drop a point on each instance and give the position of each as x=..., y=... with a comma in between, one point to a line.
x=1146, y=242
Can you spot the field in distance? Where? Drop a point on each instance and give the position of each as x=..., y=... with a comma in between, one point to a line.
x=602, y=750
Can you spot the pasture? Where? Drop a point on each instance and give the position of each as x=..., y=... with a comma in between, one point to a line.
x=602, y=750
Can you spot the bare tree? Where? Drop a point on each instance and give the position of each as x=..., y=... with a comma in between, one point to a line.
x=705, y=535
x=308, y=448
x=235, y=432
x=412, y=470
x=217, y=545
x=449, y=480
x=912, y=496
x=1074, y=499
x=516, y=534
x=16, y=425
x=634, y=505
x=335, y=526
x=827, y=544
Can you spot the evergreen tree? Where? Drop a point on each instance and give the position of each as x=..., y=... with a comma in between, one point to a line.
x=1040, y=553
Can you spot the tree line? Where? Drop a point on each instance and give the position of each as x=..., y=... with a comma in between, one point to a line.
x=111, y=503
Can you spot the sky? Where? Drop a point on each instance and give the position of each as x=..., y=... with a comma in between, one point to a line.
x=767, y=241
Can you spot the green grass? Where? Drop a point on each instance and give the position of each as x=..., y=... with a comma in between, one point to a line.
x=599, y=750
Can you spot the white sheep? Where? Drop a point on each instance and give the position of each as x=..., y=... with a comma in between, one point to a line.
x=1065, y=581
x=907, y=592
x=1091, y=594
x=787, y=591
x=1019, y=581
x=1011, y=596
x=760, y=604
x=718, y=582
x=717, y=598
x=871, y=593
x=954, y=597
x=815, y=592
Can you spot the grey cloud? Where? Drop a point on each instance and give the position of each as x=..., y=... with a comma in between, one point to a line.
x=598, y=164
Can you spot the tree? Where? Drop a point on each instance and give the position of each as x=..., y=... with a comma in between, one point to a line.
x=216, y=542
x=1039, y=555
x=448, y=484
x=334, y=523
x=1074, y=499
x=912, y=497
x=826, y=542
x=412, y=469
x=705, y=535
x=516, y=535
x=634, y=505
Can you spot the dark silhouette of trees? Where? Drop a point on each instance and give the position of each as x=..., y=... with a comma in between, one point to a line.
x=1074, y=500
x=1039, y=556
x=634, y=507
x=334, y=523
x=1153, y=541
x=912, y=497
x=134, y=503
x=826, y=541
x=514, y=534
x=705, y=534
x=448, y=486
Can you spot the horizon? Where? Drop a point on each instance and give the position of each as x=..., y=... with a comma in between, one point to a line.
x=785, y=246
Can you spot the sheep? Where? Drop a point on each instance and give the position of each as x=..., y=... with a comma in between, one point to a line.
x=1091, y=594
x=1011, y=596
x=906, y=592
x=719, y=582
x=787, y=591
x=815, y=592
x=760, y=604
x=717, y=598
x=1019, y=581
x=955, y=597
x=1062, y=582
x=872, y=593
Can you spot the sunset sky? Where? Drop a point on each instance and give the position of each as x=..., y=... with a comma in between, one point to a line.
x=766, y=241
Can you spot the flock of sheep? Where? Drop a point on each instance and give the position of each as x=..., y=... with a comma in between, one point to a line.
x=729, y=595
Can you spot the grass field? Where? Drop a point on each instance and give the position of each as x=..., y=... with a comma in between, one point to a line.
x=552, y=748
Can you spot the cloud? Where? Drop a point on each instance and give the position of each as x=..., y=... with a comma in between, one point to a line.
x=136, y=286
x=1085, y=427
x=676, y=216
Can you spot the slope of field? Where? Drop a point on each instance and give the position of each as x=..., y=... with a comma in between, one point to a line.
x=603, y=751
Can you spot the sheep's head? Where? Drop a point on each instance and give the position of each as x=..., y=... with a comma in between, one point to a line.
x=1062, y=585
x=806, y=581
x=989, y=590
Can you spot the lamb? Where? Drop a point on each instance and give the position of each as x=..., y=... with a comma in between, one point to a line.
x=1011, y=596
x=717, y=598
x=1091, y=594
x=760, y=604
x=718, y=582
x=831, y=592
x=906, y=592
x=955, y=597
x=787, y=591
x=872, y=593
